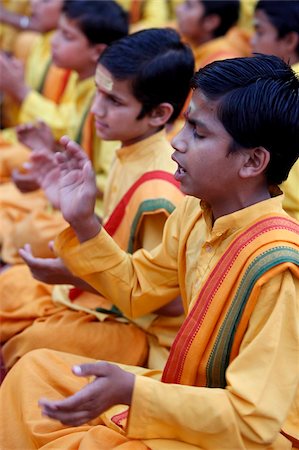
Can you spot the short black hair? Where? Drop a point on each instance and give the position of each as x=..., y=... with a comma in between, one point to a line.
x=228, y=10
x=258, y=106
x=283, y=15
x=157, y=63
x=101, y=21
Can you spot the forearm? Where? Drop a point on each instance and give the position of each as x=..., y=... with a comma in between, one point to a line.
x=57, y=117
x=102, y=264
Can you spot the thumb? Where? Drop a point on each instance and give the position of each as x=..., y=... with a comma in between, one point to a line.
x=84, y=370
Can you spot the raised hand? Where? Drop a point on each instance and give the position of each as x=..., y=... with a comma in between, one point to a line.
x=45, y=169
x=47, y=270
x=36, y=136
x=12, y=77
x=110, y=386
x=25, y=182
x=78, y=190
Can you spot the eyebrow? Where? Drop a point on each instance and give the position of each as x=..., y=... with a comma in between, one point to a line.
x=119, y=99
x=197, y=123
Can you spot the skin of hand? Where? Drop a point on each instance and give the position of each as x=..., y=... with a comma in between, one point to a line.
x=78, y=190
x=52, y=270
x=43, y=167
x=25, y=182
x=110, y=386
x=36, y=135
x=47, y=270
x=12, y=78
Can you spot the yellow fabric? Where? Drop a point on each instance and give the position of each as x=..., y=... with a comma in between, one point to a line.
x=150, y=13
x=247, y=8
x=20, y=306
x=8, y=34
x=290, y=187
x=233, y=45
x=261, y=381
x=249, y=413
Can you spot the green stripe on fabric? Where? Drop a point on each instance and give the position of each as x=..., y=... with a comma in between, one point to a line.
x=220, y=355
x=44, y=76
x=151, y=205
x=78, y=137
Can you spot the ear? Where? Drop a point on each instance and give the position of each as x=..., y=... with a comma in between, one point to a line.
x=160, y=114
x=291, y=41
x=211, y=22
x=255, y=162
x=96, y=51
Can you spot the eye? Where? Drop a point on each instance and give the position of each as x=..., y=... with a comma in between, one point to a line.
x=196, y=135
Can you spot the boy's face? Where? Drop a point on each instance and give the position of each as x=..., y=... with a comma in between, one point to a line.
x=70, y=47
x=205, y=168
x=46, y=13
x=116, y=110
x=190, y=19
x=265, y=38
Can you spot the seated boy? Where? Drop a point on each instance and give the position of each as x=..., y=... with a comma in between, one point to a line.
x=136, y=96
x=84, y=31
x=210, y=29
x=277, y=33
x=29, y=64
x=232, y=375
x=76, y=46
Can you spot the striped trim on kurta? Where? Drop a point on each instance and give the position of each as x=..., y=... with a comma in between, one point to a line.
x=212, y=333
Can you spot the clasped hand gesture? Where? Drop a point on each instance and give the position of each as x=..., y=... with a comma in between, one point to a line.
x=110, y=386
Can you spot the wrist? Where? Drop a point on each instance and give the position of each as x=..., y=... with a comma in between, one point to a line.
x=20, y=93
x=86, y=229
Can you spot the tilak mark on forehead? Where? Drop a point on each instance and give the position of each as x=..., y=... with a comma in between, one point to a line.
x=103, y=80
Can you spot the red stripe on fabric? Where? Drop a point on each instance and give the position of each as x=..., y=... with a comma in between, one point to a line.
x=118, y=213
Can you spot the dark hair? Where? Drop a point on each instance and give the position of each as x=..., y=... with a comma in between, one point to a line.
x=158, y=64
x=283, y=15
x=258, y=106
x=101, y=21
x=228, y=10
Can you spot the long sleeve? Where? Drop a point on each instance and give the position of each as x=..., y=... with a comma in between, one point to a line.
x=58, y=117
x=139, y=277
x=261, y=384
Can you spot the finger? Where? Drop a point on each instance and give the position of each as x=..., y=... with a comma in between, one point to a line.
x=51, y=246
x=88, y=172
x=71, y=418
x=98, y=369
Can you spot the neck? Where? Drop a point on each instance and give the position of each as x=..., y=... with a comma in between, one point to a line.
x=140, y=138
x=87, y=72
x=224, y=206
x=294, y=59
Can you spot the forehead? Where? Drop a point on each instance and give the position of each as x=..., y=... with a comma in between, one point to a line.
x=261, y=19
x=203, y=112
x=106, y=82
x=201, y=106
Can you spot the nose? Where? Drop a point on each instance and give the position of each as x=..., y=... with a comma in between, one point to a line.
x=97, y=107
x=179, y=142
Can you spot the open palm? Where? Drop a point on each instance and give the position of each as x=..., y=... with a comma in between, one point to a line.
x=77, y=185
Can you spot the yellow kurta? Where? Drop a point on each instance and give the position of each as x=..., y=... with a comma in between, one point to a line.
x=22, y=302
x=290, y=187
x=234, y=44
x=261, y=381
